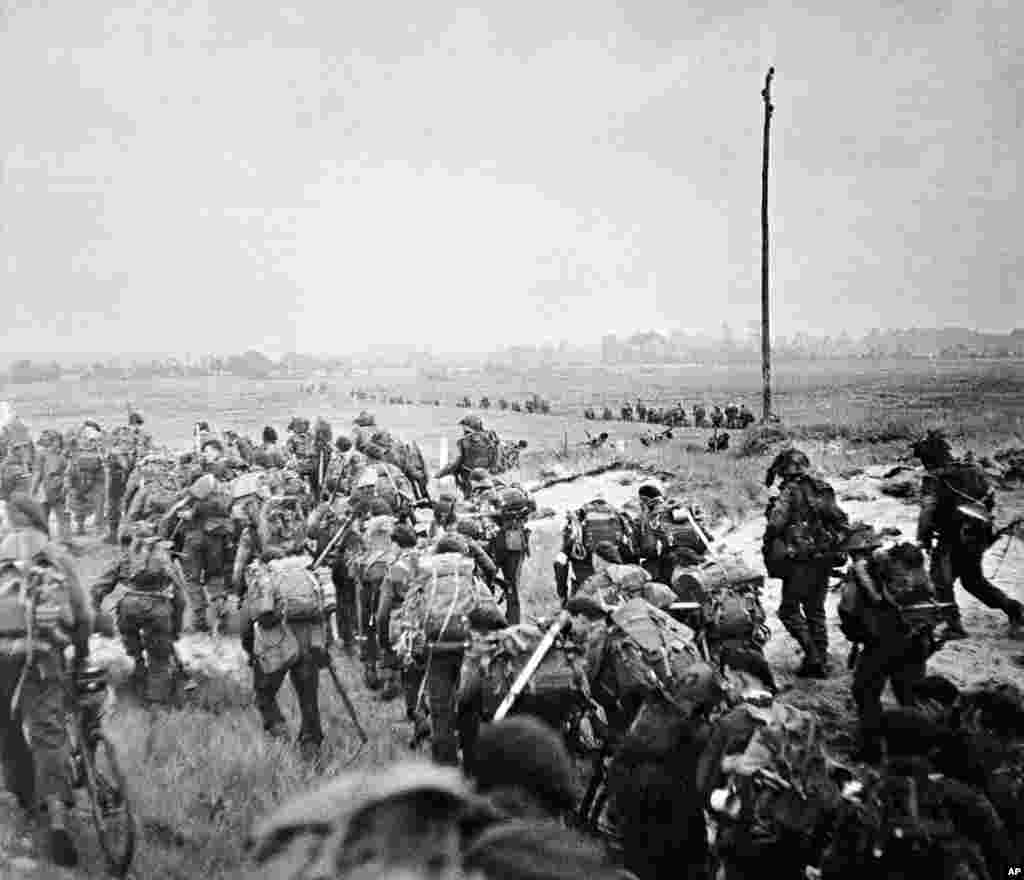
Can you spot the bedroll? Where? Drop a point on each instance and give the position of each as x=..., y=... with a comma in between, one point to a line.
x=23, y=585
x=443, y=596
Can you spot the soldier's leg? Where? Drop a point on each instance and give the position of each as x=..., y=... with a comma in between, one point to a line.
x=943, y=579
x=511, y=565
x=908, y=671
x=412, y=684
x=192, y=565
x=215, y=569
x=869, y=679
x=305, y=676
x=77, y=502
x=346, y=613
x=790, y=609
x=814, y=610
x=266, y=685
x=63, y=515
x=967, y=566
x=130, y=621
x=562, y=580
x=442, y=679
x=369, y=651
x=115, y=496
x=15, y=755
x=100, y=501
x=43, y=710
x=159, y=646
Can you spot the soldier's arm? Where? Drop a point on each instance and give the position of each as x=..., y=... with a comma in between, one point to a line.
x=37, y=477
x=454, y=466
x=81, y=608
x=178, y=589
x=484, y=561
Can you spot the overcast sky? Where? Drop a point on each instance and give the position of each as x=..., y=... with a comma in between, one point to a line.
x=210, y=176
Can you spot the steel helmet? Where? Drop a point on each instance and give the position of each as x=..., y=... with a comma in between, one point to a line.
x=861, y=537
x=473, y=423
x=364, y=420
x=203, y=487
x=480, y=479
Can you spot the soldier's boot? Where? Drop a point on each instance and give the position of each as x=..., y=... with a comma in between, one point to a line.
x=954, y=629
x=370, y=677
x=61, y=846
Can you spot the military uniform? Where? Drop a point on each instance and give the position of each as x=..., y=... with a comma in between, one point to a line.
x=207, y=529
x=34, y=743
x=86, y=476
x=269, y=456
x=400, y=576
x=477, y=448
x=956, y=505
x=804, y=528
x=129, y=443
x=576, y=557
x=509, y=544
x=151, y=610
x=49, y=484
x=369, y=570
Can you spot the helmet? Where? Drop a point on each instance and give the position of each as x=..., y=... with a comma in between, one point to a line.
x=269, y=435
x=323, y=429
x=788, y=463
x=135, y=418
x=298, y=425
x=700, y=688
x=50, y=437
x=246, y=484
x=364, y=420
x=404, y=536
x=343, y=444
x=861, y=537
x=203, y=487
x=608, y=552
x=380, y=507
x=214, y=442
x=480, y=479
x=473, y=423
x=649, y=492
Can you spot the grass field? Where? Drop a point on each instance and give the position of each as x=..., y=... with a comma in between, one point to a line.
x=203, y=773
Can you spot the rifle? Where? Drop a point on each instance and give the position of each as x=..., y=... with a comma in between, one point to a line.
x=334, y=540
x=523, y=679
x=328, y=664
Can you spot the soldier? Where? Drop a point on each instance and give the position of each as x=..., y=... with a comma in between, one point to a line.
x=509, y=508
x=895, y=645
x=17, y=456
x=717, y=416
x=361, y=432
x=399, y=578
x=300, y=450
x=33, y=670
x=151, y=610
x=802, y=541
x=584, y=529
x=129, y=443
x=700, y=415
x=285, y=614
x=956, y=514
x=607, y=415
x=86, y=479
x=369, y=571
x=478, y=448
x=447, y=521
x=206, y=523
x=50, y=480
x=665, y=536
x=732, y=414
x=322, y=450
x=269, y=455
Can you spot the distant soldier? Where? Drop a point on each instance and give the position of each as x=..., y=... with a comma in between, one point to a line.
x=802, y=542
x=502, y=404
x=86, y=475
x=627, y=412
x=717, y=416
x=746, y=417
x=369, y=571
x=732, y=414
x=300, y=450
x=400, y=576
x=50, y=480
x=478, y=448
x=17, y=457
x=363, y=430
x=323, y=450
x=700, y=415
x=955, y=526
x=485, y=403
x=269, y=455
x=607, y=415
x=516, y=406
x=151, y=610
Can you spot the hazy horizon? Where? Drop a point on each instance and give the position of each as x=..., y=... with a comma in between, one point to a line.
x=232, y=175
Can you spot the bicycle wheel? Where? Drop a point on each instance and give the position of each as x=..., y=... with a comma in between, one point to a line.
x=111, y=809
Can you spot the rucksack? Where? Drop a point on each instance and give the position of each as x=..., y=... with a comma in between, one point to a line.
x=616, y=583
x=646, y=648
x=281, y=527
x=303, y=448
x=729, y=594
x=480, y=450
x=966, y=499
x=288, y=588
x=88, y=466
x=147, y=563
x=672, y=527
x=599, y=522
x=819, y=526
x=514, y=503
x=382, y=481
x=443, y=595
x=35, y=583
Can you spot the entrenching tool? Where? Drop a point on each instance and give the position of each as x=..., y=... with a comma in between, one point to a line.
x=523, y=679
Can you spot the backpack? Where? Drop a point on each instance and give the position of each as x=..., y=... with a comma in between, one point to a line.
x=968, y=509
x=303, y=448
x=672, y=527
x=281, y=526
x=480, y=450
x=443, y=595
x=599, y=522
x=854, y=611
x=38, y=582
x=288, y=588
x=645, y=648
x=383, y=481
x=147, y=563
x=729, y=594
x=616, y=583
x=819, y=526
x=514, y=503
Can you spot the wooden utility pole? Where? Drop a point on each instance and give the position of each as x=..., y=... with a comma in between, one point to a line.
x=766, y=342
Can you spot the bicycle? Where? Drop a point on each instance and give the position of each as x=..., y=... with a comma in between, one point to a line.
x=95, y=767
